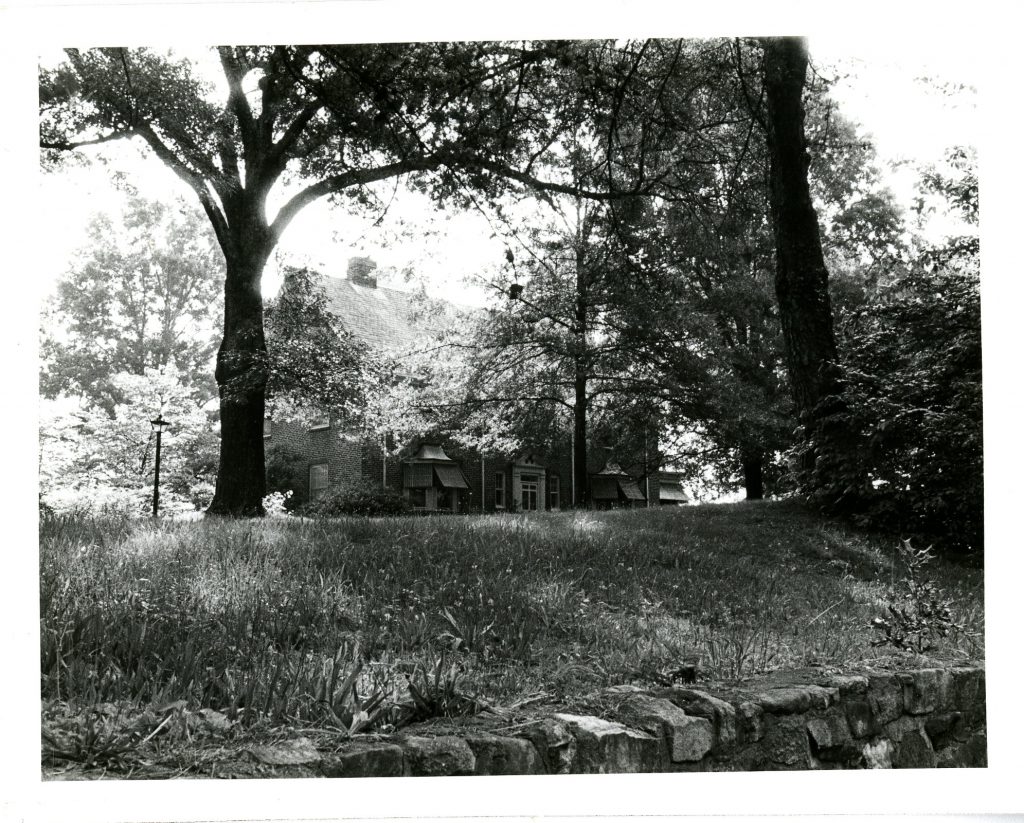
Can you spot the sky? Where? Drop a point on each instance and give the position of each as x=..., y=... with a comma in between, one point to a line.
x=880, y=86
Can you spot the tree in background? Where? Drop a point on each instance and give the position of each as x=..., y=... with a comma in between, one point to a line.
x=142, y=295
x=316, y=366
x=97, y=458
x=130, y=334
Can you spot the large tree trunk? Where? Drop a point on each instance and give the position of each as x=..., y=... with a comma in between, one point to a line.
x=579, y=442
x=242, y=372
x=801, y=279
x=753, y=473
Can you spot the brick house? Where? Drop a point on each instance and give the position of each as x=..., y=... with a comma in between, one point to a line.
x=435, y=474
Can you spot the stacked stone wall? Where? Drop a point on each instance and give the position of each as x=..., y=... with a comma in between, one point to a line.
x=925, y=718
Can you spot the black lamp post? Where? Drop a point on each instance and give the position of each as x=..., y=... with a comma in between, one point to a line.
x=159, y=425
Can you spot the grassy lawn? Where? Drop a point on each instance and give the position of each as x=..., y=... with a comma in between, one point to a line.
x=372, y=624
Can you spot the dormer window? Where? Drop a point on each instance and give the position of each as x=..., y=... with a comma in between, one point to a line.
x=320, y=421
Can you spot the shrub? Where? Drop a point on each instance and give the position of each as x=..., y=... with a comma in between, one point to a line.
x=902, y=450
x=919, y=613
x=358, y=500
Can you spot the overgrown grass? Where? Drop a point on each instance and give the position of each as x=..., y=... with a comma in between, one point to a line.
x=357, y=623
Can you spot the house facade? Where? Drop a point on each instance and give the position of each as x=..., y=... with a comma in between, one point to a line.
x=434, y=474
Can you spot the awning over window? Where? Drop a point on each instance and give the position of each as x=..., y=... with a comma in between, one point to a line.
x=426, y=475
x=418, y=476
x=630, y=489
x=673, y=494
x=610, y=487
x=451, y=477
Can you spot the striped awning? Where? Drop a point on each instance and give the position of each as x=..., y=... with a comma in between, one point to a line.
x=630, y=489
x=451, y=477
x=673, y=494
x=418, y=476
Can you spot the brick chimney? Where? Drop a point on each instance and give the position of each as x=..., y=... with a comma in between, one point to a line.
x=361, y=271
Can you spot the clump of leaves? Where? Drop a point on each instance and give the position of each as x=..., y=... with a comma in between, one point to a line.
x=99, y=736
x=919, y=613
x=345, y=707
x=436, y=692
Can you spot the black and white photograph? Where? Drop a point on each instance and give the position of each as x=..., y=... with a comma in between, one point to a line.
x=516, y=401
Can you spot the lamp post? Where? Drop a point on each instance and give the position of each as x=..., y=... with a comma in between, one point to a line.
x=159, y=425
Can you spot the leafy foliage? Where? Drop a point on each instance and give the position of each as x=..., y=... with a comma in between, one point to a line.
x=144, y=293
x=920, y=614
x=358, y=500
x=95, y=459
x=912, y=416
x=316, y=365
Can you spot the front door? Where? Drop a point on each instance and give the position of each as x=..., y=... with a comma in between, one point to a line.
x=530, y=485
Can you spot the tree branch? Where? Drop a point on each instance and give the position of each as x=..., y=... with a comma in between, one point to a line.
x=340, y=182
x=237, y=101
x=195, y=181
x=71, y=145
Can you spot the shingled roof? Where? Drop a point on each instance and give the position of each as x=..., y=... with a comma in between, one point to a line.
x=386, y=319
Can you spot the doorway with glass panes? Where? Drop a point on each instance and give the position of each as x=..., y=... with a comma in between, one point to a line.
x=528, y=486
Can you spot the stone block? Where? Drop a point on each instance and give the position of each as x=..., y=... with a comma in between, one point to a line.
x=944, y=728
x=878, y=754
x=751, y=721
x=297, y=752
x=861, y=719
x=926, y=690
x=885, y=697
x=603, y=747
x=497, y=755
x=849, y=685
x=829, y=732
x=688, y=738
x=968, y=695
x=700, y=704
x=797, y=699
x=914, y=751
x=438, y=756
x=365, y=760
x=972, y=753
x=897, y=729
x=831, y=740
x=785, y=743
x=555, y=746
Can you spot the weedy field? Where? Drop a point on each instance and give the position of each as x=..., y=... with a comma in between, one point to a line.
x=360, y=625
